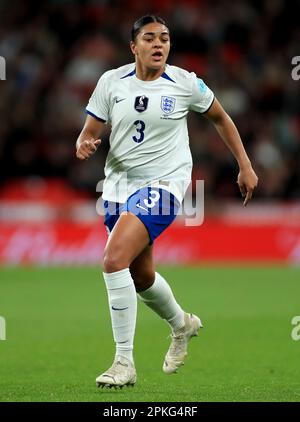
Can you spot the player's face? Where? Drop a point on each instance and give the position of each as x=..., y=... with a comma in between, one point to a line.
x=152, y=45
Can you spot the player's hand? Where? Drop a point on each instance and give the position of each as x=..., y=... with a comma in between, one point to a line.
x=247, y=181
x=87, y=148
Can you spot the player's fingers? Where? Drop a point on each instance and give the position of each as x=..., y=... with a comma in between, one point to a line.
x=97, y=142
x=89, y=145
x=248, y=197
x=86, y=150
x=80, y=156
x=86, y=153
x=242, y=189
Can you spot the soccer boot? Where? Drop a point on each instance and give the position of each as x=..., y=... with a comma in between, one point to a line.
x=180, y=338
x=122, y=372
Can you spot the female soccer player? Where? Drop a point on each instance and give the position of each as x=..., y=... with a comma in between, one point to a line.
x=147, y=170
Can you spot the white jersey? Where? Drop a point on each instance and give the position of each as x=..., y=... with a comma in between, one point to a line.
x=149, y=143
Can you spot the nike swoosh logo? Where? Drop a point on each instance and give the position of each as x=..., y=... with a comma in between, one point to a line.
x=108, y=376
x=119, y=309
x=139, y=206
x=123, y=364
x=118, y=100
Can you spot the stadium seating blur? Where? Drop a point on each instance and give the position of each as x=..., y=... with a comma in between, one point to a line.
x=56, y=50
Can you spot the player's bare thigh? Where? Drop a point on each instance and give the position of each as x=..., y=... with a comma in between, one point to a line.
x=127, y=240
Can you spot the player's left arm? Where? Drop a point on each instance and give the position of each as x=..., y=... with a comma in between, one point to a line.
x=247, y=179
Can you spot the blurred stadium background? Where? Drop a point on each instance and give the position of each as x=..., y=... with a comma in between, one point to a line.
x=55, y=51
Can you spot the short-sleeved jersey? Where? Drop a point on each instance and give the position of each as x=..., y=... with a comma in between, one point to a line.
x=149, y=143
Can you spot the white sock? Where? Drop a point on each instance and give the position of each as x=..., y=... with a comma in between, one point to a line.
x=122, y=305
x=159, y=297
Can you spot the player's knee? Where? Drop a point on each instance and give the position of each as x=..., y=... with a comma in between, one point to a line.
x=113, y=262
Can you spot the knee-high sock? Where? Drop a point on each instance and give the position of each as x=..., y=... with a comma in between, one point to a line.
x=159, y=297
x=123, y=306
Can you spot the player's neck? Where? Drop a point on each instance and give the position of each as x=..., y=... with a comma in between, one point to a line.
x=146, y=74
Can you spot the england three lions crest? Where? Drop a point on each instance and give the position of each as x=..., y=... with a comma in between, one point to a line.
x=167, y=104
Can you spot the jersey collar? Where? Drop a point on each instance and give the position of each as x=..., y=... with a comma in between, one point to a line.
x=163, y=75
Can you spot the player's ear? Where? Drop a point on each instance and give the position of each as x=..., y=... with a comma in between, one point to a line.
x=133, y=47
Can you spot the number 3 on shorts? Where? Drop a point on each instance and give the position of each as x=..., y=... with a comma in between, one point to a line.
x=151, y=202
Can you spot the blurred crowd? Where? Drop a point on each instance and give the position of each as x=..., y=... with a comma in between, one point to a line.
x=56, y=50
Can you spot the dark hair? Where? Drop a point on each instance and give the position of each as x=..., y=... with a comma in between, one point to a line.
x=144, y=20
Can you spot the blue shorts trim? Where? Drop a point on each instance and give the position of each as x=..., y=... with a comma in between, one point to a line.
x=155, y=207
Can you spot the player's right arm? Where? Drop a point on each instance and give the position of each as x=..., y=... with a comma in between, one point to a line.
x=88, y=140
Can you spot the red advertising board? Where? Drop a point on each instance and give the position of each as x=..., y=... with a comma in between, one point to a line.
x=215, y=241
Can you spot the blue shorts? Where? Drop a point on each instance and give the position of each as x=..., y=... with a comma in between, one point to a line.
x=155, y=207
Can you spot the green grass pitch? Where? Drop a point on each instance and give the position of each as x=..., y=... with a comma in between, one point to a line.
x=59, y=336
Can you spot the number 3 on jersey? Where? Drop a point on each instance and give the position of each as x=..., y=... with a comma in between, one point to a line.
x=140, y=127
